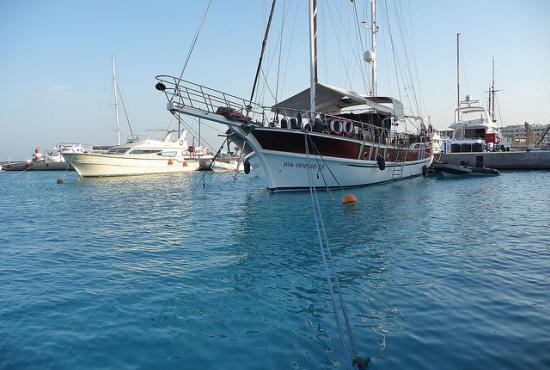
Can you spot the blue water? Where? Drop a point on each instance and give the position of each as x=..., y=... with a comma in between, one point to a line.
x=144, y=273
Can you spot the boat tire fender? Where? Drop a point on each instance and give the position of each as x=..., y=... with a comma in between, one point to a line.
x=381, y=162
x=424, y=171
x=247, y=167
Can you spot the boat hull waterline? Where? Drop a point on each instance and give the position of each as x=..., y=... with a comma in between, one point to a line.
x=100, y=165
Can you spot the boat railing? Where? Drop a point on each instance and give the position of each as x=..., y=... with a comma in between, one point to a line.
x=184, y=93
x=361, y=130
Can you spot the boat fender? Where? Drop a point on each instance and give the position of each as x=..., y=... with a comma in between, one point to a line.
x=381, y=162
x=170, y=162
x=185, y=164
x=247, y=167
x=307, y=127
x=160, y=86
x=424, y=170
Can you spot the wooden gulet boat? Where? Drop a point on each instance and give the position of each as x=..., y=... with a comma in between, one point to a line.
x=324, y=136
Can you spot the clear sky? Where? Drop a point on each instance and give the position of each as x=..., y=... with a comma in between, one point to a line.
x=55, y=59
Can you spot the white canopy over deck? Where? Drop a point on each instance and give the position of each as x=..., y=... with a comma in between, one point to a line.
x=331, y=99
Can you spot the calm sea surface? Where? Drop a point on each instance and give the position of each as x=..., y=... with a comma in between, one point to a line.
x=144, y=273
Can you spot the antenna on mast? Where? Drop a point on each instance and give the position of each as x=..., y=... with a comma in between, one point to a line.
x=115, y=93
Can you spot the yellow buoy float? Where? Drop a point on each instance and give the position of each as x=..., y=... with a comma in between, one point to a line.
x=349, y=199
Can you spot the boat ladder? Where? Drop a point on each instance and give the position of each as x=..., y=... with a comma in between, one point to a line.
x=399, y=164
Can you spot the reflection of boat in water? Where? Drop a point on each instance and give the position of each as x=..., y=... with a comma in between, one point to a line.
x=139, y=157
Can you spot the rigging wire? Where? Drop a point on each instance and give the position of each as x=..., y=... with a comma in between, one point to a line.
x=359, y=36
x=290, y=45
x=124, y=109
x=195, y=38
x=407, y=59
x=356, y=56
x=283, y=17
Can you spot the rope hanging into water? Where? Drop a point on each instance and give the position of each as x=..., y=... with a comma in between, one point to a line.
x=349, y=352
x=209, y=167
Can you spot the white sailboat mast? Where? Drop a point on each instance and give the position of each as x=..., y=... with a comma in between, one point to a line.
x=115, y=93
x=458, y=70
x=313, y=56
x=374, y=30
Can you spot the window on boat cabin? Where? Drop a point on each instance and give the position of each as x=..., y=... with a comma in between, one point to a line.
x=117, y=150
x=168, y=153
x=478, y=133
x=145, y=151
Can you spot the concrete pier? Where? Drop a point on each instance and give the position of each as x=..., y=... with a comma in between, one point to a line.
x=520, y=160
x=37, y=166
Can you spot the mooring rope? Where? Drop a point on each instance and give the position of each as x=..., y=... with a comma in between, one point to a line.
x=349, y=352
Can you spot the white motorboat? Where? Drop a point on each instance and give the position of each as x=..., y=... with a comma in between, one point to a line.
x=474, y=130
x=222, y=163
x=140, y=157
x=323, y=137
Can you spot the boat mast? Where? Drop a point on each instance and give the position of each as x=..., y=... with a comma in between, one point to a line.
x=264, y=43
x=313, y=57
x=458, y=70
x=492, y=94
x=373, y=32
x=115, y=93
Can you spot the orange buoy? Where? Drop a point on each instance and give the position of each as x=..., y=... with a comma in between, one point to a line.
x=349, y=198
x=170, y=162
x=184, y=164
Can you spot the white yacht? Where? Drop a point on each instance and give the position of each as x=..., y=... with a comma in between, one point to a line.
x=139, y=157
x=473, y=129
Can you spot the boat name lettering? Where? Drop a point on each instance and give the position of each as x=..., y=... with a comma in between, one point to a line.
x=304, y=165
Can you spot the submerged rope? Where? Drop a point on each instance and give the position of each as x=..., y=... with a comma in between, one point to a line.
x=349, y=352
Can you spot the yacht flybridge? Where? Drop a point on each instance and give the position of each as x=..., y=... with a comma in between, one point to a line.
x=139, y=157
x=322, y=137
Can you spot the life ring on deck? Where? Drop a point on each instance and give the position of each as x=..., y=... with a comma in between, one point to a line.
x=336, y=127
x=381, y=162
x=347, y=128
